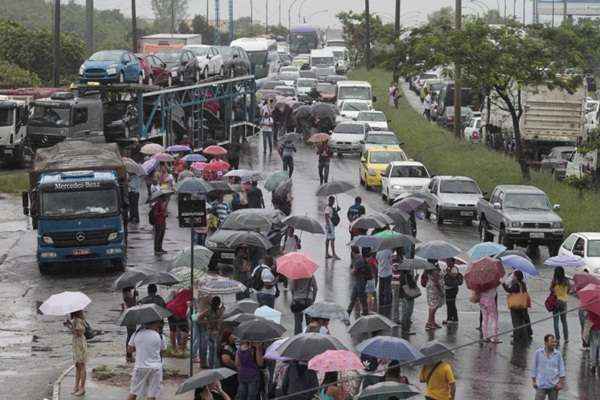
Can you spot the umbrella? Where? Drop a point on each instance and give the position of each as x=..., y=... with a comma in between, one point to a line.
x=160, y=278
x=244, y=174
x=296, y=265
x=199, y=165
x=149, y=166
x=271, y=351
x=335, y=187
x=178, y=148
x=319, y=138
x=215, y=151
x=244, y=306
x=221, y=186
x=218, y=166
x=370, y=241
x=186, y=173
x=413, y=264
x=372, y=221
x=246, y=221
x=388, y=390
x=258, y=330
x=516, y=252
x=202, y=257
x=589, y=297
x=193, y=185
x=292, y=136
x=437, y=250
x=237, y=319
x=283, y=189
x=203, y=378
x=143, y=314
x=369, y=324
x=335, y=360
x=163, y=157
x=305, y=346
x=519, y=263
x=275, y=179
x=397, y=215
x=131, y=278
x=582, y=279
x=184, y=275
x=158, y=194
x=410, y=204
x=569, y=261
x=192, y=158
x=326, y=310
x=248, y=238
x=485, y=249
x=152, y=148
x=219, y=286
x=304, y=223
x=434, y=351
x=268, y=313
x=389, y=347
x=133, y=168
x=419, y=195
x=393, y=240
x=484, y=274
x=64, y=303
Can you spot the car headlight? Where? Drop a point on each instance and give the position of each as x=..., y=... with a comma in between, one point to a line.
x=47, y=240
x=113, y=236
x=111, y=70
x=516, y=224
x=372, y=171
x=210, y=243
x=81, y=70
x=557, y=225
x=396, y=187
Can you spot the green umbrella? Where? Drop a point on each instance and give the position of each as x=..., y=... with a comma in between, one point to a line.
x=202, y=257
x=275, y=179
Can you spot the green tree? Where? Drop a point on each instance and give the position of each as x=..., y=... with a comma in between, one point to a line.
x=168, y=13
x=12, y=76
x=442, y=18
x=200, y=26
x=355, y=35
x=279, y=30
x=244, y=28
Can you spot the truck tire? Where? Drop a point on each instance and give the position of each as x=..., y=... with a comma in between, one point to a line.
x=553, y=249
x=483, y=231
x=117, y=265
x=439, y=218
x=502, y=239
x=45, y=268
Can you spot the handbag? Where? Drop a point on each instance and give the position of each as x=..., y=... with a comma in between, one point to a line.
x=551, y=302
x=411, y=292
x=518, y=301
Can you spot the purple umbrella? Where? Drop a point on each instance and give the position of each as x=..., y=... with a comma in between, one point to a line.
x=178, y=148
x=569, y=261
x=150, y=165
x=191, y=158
x=410, y=204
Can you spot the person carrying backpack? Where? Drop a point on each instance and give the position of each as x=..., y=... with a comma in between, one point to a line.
x=264, y=282
x=355, y=211
x=332, y=219
x=362, y=273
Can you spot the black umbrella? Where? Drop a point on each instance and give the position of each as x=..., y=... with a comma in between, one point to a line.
x=397, y=215
x=282, y=190
x=515, y=252
x=242, y=220
x=246, y=306
x=258, y=330
x=335, y=187
x=221, y=186
x=247, y=238
x=372, y=221
x=131, y=278
x=305, y=346
x=143, y=314
x=388, y=390
x=160, y=278
x=304, y=223
x=203, y=378
x=416, y=263
x=434, y=351
x=239, y=318
x=371, y=323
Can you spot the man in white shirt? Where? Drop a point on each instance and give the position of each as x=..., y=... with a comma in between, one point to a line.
x=146, y=378
x=427, y=106
x=267, y=289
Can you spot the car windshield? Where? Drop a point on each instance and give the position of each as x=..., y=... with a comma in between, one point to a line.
x=351, y=106
x=306, y=83
x=527, y=201
x=6, y=116
x=226, y=51
x=169, y=57
x=328, y=89
x=371, y=116
x=409, y=171
x=566, y=155
x=288, y=76
x=353, y=129
x=321, y=61
x=382, y=139
x=385, y=157
x=354, y=92
x=98, y=202
x=593, y=248
x=109, y=55
x=50, y=116
x=459, y=186
x=198, y=51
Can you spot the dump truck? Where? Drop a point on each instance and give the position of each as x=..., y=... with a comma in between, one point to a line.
x=77, y=203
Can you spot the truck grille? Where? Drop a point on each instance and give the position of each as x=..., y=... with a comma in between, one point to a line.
x=90, y=238
x=541, y=225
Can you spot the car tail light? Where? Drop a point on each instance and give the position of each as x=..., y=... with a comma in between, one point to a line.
x=475, y=135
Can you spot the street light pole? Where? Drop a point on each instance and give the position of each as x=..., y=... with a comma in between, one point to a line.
x=457, y=83
x=251, y=10
x=397, y=19
x=368, y=35
x=89, y=28
x=300, y=10
x=266, y=16
x=56, y=47
x=280, y=12
x=133, y=27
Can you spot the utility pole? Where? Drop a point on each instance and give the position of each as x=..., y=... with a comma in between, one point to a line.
x=514, y=9
x=279, y=12
x=217, y=38
x=251, y=11
x=89, y=25
x=368, y=35
x=172, y=16
x=56, y=49
x=397, y=19
x=231, y=22
x=266, y=16
x=523, y=12
x=133, y=27
x=564, y=11
x=457, y=85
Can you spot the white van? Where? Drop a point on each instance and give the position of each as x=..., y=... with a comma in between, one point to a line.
x=262, y=53
x=322, y=62
x=354, y=90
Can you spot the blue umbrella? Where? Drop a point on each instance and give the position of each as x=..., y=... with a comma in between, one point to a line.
x=372, y=242
x=485, y=249
x=522, y=264
x=191, y=158
x=569, y=261
x=389, y=347
x=437, y=250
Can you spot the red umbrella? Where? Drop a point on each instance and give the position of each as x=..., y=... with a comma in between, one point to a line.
x=218, y=165
x=590, y=298
x=583, y=279
x=484, y=274
x=215, y=151
x=296, y=265
x=199, y=165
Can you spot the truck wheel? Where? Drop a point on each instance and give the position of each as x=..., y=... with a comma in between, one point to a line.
x=117, y=265
x=553, y=249
x=45, y=268
x=483, y=231
x=502, y=239
x=438, y=214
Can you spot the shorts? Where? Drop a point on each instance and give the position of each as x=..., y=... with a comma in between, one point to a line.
x=145, y=382
x=329, y=232
x=370, y=286
x=176, y=323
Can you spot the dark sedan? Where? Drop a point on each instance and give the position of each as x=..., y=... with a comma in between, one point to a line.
x=182, y=66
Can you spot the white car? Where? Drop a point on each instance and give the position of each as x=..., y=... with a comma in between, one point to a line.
x=453, y=198
x=403, y=177
x=375, y=119
x=586, y=245
x=347, y=137
x=210, y=61
x=350, y=109
x=473, y=130
x=304, y=86
x=289, y=77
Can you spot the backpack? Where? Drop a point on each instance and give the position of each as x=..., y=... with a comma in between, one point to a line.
x=424, y=279
x=335, y=216
x=88, y=332
x=151, y=219
x=256, y=281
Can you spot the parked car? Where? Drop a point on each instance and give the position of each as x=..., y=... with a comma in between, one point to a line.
x=403, y=177
x=288, y=78
x=556, y=161
x=453, y=198
x=520, y=215
x=346, y=137
x=112, y=66
x=472, y=131
x=385, y=139
x=159, y=73
x=235, y=61
x=286, y=91
x=375, y=119
x=350, y=109
x=182, y=66
x=210, y=60
x=374, y=161
x=304, y=86
x=144, y=66
x=585, y=245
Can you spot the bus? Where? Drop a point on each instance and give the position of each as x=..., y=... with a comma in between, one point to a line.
x=262, y=53
x=303, y=39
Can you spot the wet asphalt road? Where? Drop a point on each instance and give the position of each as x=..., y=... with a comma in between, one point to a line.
x=34, y=349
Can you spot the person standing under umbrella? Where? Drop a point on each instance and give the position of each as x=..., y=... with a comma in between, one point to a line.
x=333, y=390
x=355, y=211
x=290, y=243
x=384, y=275
x=221, y=208
x=452, y=280
x=159, y=213
x=298, y=378
x=147, y=374
x=130, y=299
x=440, y=381
x=332, y=218
x=248, y=360
x=287, y=151
x=213, y=391
x=517, y=288
x=489, y=312
x=77, y=327
x=264, y=282
x=134, y=198
x=548, y=372
x=324, y=152
x=361, y=273
x=594, y=341
x=304, y=293
x=561, y=287
x=212, y=318
x=432, y=280
x=255, y=196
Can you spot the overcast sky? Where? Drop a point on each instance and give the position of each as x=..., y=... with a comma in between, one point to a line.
x=412, y=11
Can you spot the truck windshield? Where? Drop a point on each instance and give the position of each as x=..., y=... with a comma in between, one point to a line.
x=6, y=116
x=593, y=249
x=527, y=201
x=50, y=116
x=459, y=186
x=354, y=92
x=68, y=203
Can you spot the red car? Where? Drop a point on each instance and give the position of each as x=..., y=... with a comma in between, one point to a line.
x=155, y=70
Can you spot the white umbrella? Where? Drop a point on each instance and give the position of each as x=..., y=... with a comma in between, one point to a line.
x=268, y=313
x=65, y=303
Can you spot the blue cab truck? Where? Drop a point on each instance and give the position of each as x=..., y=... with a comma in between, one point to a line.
x=77, y=203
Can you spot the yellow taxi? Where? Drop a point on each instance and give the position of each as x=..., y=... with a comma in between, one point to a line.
x=374, y=161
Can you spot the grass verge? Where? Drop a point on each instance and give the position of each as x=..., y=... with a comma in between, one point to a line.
x=443, y=154
x=14, y=181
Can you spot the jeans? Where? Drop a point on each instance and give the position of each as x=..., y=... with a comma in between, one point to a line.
x=134, y=211
x=266, y=299
x=212, y=359
x=199, y=341
x=451, y=311
x=559, y=313
x=298, y=321
x=159, y=235
x=541, y=394
x=385, y=295
x=408, y=306
x=594, y=343
x=359, y=293
x=267, y=139
x=288, y=164
x=248, y=390
x=323, y=172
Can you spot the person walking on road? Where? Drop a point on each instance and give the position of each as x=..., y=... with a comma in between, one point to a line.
x=384, y=284
x=147, y=375
x=355, y=211
x=159, y=212
x=452, y=280
x=304, y=293
x=255, y=196
x=266, y=124
x=548, y=372
x=287, y=151
x=561, y=287
x=77, y=327
x=517, y=304
x=489, y=312
x=432, y=280
x=289, y=244
x=427, y=104
x=440, y=381
x=130, y=299
x=361, y=273
x=324, y=152
x=134, y=198
x=332, y=219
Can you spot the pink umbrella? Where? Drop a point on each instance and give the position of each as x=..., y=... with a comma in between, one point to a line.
x=199, y=165
x=215, y=150
x=484, y=274
x=582, y=279
x=218, y=165
x=335, y=360
x=163, y=157
x=296, y=265
x=590, y=298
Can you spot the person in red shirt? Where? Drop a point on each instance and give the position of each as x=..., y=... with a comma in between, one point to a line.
x=159, y=210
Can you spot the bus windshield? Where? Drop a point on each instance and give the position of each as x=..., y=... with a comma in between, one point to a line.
x=303, y=42
x=354, y=92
